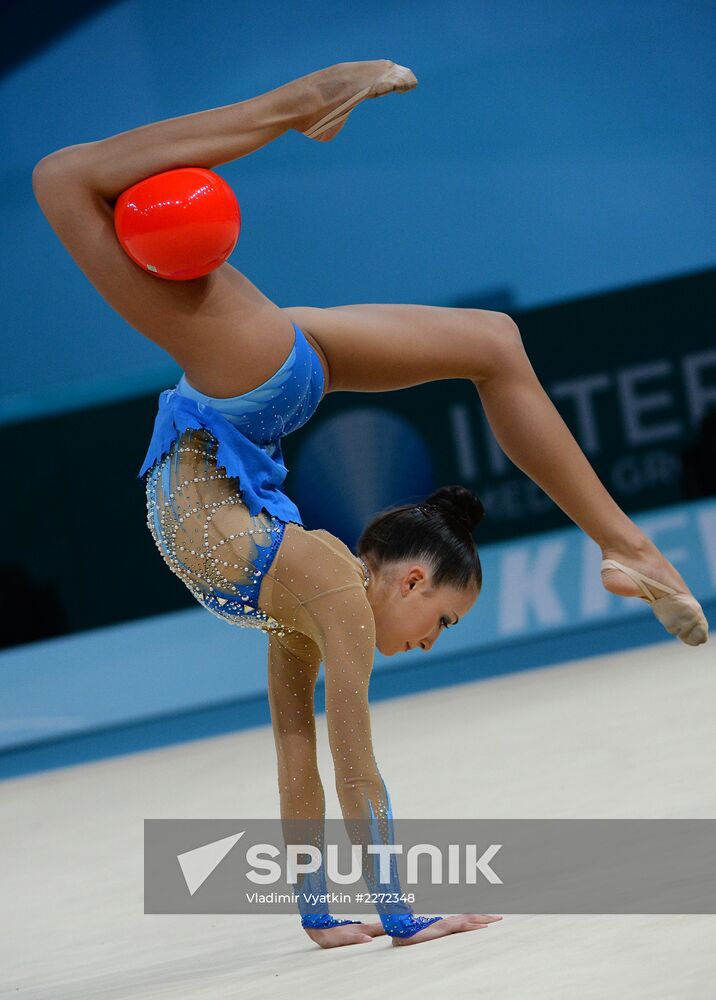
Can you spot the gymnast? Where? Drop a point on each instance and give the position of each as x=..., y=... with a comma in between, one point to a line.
x=254, y=372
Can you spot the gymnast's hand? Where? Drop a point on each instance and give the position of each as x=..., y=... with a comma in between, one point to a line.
x=334, y=937
x=450, y=925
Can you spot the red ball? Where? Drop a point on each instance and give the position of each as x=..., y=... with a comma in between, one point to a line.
x=180, y=224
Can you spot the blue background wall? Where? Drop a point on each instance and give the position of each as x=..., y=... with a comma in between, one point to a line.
x=551, y=149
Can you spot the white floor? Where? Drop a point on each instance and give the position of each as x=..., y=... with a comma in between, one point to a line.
x=630, y=735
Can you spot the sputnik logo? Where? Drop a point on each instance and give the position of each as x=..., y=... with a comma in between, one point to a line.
x=198, y=864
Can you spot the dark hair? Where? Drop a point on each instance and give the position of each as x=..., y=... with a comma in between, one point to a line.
x=438, y=530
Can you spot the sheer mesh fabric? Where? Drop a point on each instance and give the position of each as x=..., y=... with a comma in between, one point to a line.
x=308, y=591
x=206, y=534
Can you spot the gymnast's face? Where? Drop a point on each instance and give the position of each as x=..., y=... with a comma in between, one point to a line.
x=410, y=613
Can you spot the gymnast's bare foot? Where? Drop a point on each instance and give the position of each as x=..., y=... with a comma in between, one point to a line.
x=335, y=937
x=332, y=87
x=450, y=925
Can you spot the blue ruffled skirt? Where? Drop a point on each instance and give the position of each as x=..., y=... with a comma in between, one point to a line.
x=248, y=428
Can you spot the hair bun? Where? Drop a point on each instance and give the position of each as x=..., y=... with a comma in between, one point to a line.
x=458, y=503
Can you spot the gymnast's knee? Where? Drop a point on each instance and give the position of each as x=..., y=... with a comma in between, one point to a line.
x=500, y=343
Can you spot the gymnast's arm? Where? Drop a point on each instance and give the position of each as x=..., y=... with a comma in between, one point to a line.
x=293, y=664
x=346, y=638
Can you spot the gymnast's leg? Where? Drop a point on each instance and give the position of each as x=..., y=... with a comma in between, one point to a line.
x=226, y=335
x=378, y=347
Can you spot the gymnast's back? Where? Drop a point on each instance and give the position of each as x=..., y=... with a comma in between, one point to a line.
x=256, y=571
